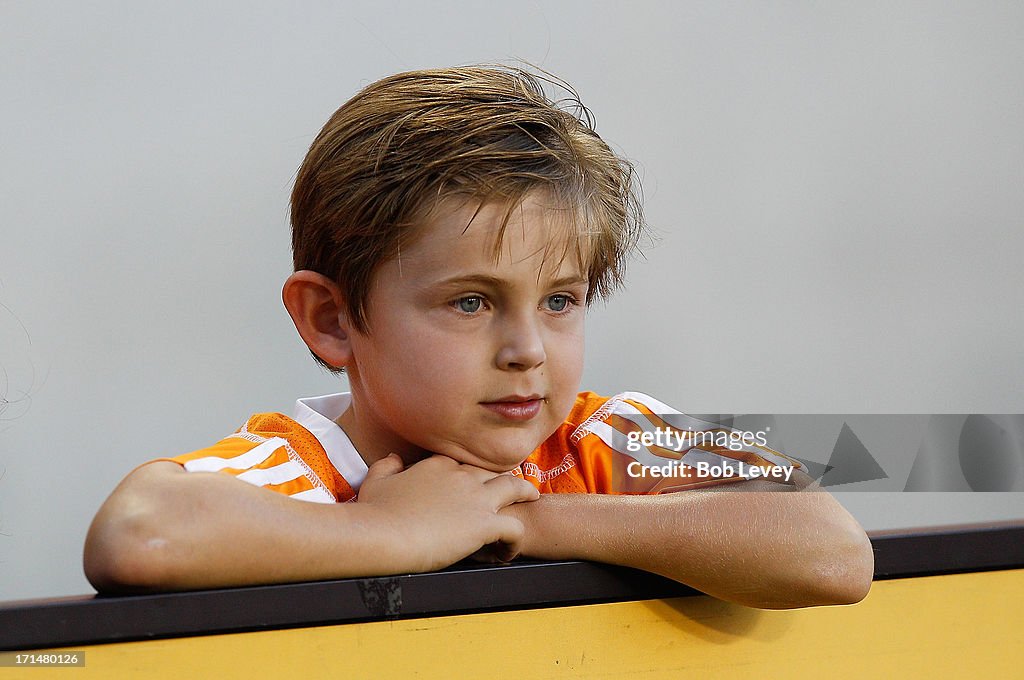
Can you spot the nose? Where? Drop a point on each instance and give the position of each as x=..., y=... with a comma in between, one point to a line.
x=521, y=345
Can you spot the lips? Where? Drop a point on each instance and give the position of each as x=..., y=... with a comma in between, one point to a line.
x=516, y=407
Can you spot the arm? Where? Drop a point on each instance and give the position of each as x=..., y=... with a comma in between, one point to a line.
x=166, y=529
x=760, y=548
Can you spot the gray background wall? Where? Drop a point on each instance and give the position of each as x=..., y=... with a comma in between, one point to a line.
x=837, y=187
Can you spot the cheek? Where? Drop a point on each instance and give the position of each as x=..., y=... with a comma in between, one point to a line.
x=430, y=363
x=566, y=364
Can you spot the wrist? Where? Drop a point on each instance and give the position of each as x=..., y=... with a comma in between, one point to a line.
x=383, y=544
x=544, y=536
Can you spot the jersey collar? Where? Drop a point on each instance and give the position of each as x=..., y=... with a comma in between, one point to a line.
x=318, y=414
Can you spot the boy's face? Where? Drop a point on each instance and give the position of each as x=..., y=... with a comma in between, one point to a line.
x=470, y=355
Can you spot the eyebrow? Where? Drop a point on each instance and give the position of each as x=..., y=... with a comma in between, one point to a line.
x=495, y=282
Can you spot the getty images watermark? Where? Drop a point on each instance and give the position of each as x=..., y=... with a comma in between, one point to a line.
x=666, y=452
x=699, y=464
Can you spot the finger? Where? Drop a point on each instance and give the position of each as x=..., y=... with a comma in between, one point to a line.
x=439, y=461
x=495, y=553
x=479, y=474
x=504, y=552
x=385, y=467
x=469, y=468
x=509, y=540
x=485, y=555
x=483, y=474
x=509, y=490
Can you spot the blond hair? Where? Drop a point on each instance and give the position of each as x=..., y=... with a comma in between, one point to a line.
x=389, y=154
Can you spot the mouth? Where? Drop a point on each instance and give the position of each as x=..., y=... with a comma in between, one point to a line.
x=516, y=407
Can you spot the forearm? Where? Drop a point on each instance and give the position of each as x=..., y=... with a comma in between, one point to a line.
x=167, y=529
x=762, y=549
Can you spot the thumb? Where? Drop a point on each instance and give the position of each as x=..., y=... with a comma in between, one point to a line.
x=390, y=464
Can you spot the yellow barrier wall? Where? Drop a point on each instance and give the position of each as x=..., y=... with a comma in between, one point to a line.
x=955, y=626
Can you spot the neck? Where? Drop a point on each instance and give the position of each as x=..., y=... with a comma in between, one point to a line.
x=372, y=441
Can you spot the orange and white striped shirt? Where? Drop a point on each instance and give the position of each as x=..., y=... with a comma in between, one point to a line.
x=599, y=448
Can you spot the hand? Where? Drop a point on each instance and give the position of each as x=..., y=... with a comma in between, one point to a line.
x=531, y=515
x=501, y=552
x=496, y=553
x=439, y=511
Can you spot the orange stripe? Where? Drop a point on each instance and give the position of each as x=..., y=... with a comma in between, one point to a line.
x=297, y=485
x=225, y=448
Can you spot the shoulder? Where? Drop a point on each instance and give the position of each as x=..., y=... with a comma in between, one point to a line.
x=276, y=452
x=580, y=456
x=610, y=444
x=592, y=410
x=262, y=433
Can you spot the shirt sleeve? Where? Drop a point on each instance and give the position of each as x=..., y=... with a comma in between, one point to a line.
x=276, y=458
x=634, y=444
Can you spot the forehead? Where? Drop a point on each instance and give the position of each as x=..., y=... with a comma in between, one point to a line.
x=534, y=234
x=496, y=237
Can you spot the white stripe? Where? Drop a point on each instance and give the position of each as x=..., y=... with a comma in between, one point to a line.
x=683, y=422
x=679, y=421
x=316, y=495
x=618, y=405
x=609, y=435
x=279, y=474
x=650, y=402
x=250, y=458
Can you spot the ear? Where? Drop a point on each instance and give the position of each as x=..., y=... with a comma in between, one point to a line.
x=317, y=308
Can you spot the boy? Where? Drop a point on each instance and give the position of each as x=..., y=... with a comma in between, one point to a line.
x=449, y=229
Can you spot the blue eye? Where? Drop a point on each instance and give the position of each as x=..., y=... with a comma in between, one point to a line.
x=469, y=305
x=558, y=303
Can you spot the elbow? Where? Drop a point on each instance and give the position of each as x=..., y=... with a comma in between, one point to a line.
x=124, y=551
x=845, y=577
x=834, y=562
x=840, y=572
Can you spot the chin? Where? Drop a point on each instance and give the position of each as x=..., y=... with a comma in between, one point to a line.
x=497, y=465
x=489, y=456
x=492, y=460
